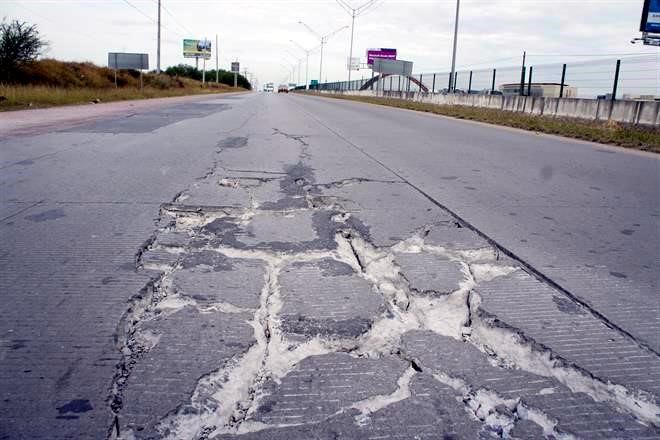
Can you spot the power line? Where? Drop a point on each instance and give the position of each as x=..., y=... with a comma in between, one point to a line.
x=176, y=21
x=144, y=14
x=140, y=11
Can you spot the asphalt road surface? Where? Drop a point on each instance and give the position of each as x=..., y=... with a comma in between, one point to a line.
x=263, y=266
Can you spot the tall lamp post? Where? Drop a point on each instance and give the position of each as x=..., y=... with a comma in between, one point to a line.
x=354, y=12
x=290, y=70
x=324, y=39
x=298, y=61
x=307, y=52
x=452, y=78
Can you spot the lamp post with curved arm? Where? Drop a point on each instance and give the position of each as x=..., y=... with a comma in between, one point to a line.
x=307, y=52
x=354, y=12
x=324, y=39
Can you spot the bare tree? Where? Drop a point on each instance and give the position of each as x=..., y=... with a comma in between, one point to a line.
x=19, y=43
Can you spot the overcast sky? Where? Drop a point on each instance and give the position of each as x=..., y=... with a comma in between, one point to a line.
x=258, y=32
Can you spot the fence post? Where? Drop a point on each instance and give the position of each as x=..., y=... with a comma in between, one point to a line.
x=398, y=89
x=616, y=79
x=433, y=87
x=455, y=81
x=492, y=88
x=470, y=83
x=563, y=80
x=449, y=86
x=522, y=81
x=390, y=90
x=529, y=84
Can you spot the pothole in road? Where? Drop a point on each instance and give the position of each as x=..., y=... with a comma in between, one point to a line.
x=367, y=300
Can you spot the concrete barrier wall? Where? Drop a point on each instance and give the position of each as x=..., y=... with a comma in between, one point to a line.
x=631, y=112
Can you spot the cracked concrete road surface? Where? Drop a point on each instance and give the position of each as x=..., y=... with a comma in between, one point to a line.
x=261, y=266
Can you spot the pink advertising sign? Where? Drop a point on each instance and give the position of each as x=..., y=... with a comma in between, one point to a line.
x=389, y=54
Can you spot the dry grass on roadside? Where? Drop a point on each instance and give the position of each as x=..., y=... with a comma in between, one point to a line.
x=624, y=135
x=48, y=82
x=22, y=97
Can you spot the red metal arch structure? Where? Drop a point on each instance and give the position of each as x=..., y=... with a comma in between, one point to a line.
x=369, y=83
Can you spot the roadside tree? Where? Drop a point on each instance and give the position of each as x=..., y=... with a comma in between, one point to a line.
x=20, y=43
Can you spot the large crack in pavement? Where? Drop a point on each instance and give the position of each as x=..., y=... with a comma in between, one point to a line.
x=336, y=330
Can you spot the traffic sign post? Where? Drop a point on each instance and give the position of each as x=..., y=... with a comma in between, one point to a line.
x=235, y=68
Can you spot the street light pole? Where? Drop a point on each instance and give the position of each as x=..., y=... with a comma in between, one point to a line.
x=321, y=62
x=158, y=45
x=350, y=56
x=297, y=60
x=324, y=39
x=354, y=12
x=307, y=72
x=307, y=52
x=452, y=79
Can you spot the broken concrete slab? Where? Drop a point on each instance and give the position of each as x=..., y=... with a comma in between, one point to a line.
x=569, y=330
x=185, y=346
x=430, y=274
x=205, y=258
x=392, y=211
x=469, y=368
x=389, y=226
x=158, y=259
x=455, y=238
x=239, y=283
x=432, y=411
x=278, y=230
x=320, y=386
x=211, y=192
x=326, y=298
x=171, y=239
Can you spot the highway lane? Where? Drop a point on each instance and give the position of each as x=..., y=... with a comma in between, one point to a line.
x=76, y=206
x=585, y=215
x=181, y=268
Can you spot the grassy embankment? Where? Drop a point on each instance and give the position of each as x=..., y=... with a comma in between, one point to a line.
x=47, y=83
x=613, y=133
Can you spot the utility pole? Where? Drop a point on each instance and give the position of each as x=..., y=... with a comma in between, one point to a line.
x=158, y=45
x=354, y=12
x=217, y=72
x=452, y=80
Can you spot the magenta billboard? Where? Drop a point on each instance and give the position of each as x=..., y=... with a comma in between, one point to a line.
x=388, y=54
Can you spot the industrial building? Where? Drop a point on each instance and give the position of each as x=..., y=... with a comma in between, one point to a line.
x=548, y=90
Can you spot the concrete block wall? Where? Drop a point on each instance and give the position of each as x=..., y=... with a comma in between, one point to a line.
x=631, y=112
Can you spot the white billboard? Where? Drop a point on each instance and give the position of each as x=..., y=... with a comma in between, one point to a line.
x=197, y=49
x=393, y=67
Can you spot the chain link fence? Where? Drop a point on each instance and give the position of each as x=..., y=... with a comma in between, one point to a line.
x=635, y=77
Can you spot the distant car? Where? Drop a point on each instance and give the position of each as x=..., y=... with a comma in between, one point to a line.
x=269, y=87
x=283, y=88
